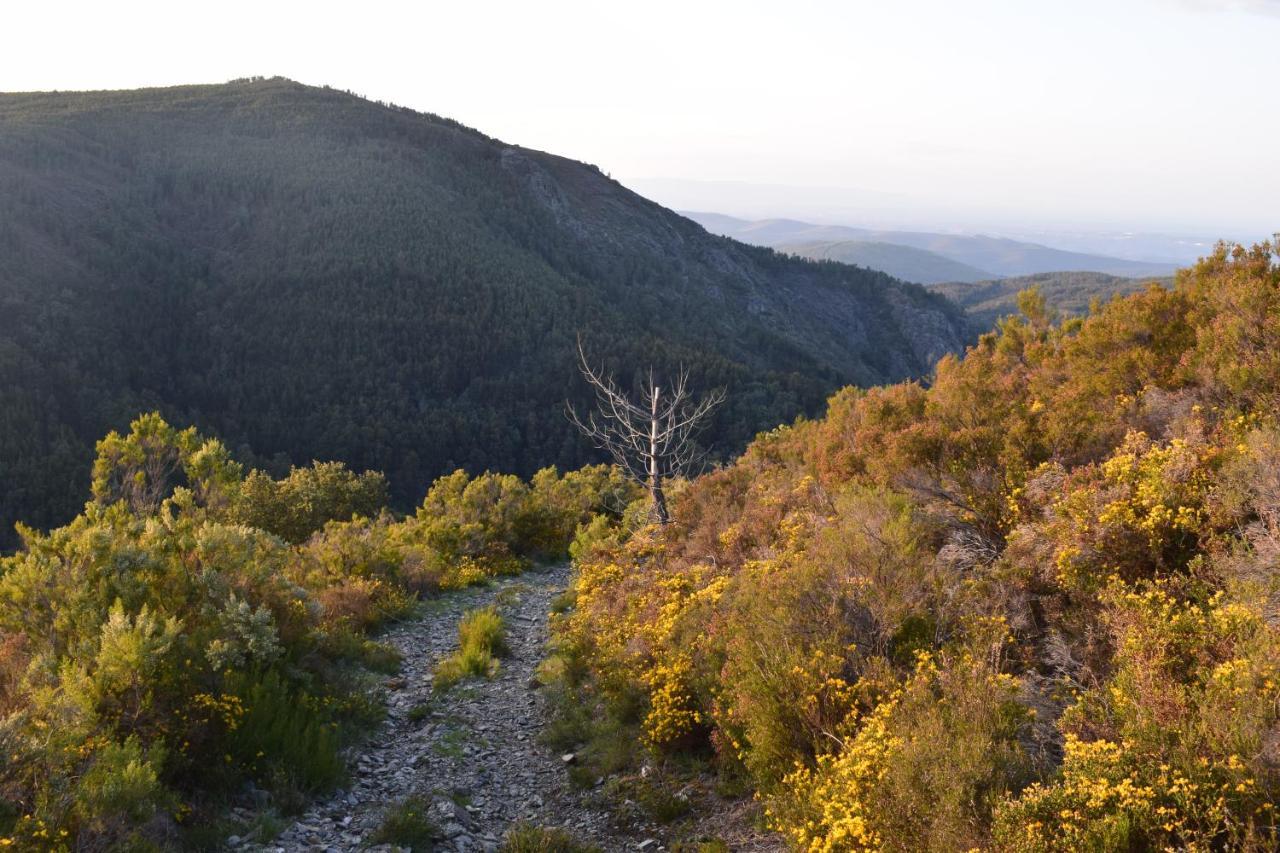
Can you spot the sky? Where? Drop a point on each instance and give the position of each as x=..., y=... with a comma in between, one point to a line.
x=1078, y=116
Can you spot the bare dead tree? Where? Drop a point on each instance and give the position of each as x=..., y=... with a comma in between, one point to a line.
x=650, y=439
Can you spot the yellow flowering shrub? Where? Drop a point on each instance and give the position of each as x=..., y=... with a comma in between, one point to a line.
x=921, y=771
x=823, y=612
x=1139, y=514
x=1171, y=752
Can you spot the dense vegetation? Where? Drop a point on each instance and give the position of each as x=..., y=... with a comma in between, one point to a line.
x=196, y=629
x=905, y=262
x=309, y=275
x=1068, y=293
x=1034, y=606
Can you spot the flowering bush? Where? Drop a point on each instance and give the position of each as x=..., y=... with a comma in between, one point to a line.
x=194, y=629
x=1032, y=606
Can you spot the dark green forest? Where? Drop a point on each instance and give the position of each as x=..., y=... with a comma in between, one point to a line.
x=310, y=275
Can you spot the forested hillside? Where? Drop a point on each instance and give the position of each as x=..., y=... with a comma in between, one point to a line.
x=1067, y=293
x=1032, y=607
x=905, y=262
x=307, y=274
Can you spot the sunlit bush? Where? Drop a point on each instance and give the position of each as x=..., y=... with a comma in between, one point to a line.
x=1031, y=605
x=194, y=629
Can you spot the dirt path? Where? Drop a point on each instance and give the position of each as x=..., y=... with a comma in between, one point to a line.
x=472, y=753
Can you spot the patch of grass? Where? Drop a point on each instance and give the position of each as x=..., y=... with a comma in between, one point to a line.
x=206, y=835
x=419, y=712
x=711, y=845
x=480, y=642
x=345, y=644
x=510, y=594
x=450, y=743
x=551, y=671
x=266, y=826
x=483, y=628
x=526, y=837
x=657, y=797
x=602, y=744
x=406, y=824
x=565, y=601
x=660, y=800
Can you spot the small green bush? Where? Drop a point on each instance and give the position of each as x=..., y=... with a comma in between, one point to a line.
x=196, y=628
x=406, y=824
x=282, y=737
x=480, y=642
x=525, y=837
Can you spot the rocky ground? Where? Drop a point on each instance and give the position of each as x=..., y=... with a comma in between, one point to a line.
x=472, y=753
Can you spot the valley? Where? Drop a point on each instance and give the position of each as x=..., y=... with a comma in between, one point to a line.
x=312, y=275
x=369, y=482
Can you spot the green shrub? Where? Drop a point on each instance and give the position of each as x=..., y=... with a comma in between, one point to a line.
x=526, y=837
x=1031, y=605
x=120, y=792
x=281, y=735
x=480, y=642
x=302, y=503
x=169, y=643
x=406, y=824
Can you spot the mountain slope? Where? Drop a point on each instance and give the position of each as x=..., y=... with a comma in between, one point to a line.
x=1000, y=256
x=904, y=262
x=1068, y=293
x=311, y=275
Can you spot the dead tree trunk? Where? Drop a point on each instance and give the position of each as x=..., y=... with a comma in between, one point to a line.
x=655, y=478
x=651, y=441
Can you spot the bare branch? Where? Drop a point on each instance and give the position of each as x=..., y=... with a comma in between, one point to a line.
x=653, y=439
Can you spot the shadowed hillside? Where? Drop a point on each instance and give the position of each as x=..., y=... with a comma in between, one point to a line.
x=311, y=275
x=904, y=262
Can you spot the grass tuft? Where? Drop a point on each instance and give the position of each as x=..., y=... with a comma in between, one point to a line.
x=480, y=642
x=406, y=825
x=525, y=837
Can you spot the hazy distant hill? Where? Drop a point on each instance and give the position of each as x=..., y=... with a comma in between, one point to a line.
x=997, y=255
x=311, y=275
x=1070, y=293
x=902, y=262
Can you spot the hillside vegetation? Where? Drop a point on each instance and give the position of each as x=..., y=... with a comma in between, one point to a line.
x=1069, y=294
x=1034, y=606
x=903, y=262
x=310, y=275
x=197, y=633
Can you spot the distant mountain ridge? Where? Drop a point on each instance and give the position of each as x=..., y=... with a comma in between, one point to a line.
x=310, y=275
x=903, y=262
x=998, y=256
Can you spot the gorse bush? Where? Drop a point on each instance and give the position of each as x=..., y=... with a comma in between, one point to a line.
x=1032, y=606
x=195, y=628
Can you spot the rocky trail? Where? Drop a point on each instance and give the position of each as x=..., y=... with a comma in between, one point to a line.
x=472, y=753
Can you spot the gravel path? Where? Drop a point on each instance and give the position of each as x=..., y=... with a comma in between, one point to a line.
x=474, y=755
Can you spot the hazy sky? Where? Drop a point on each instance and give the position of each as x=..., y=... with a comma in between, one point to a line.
x=1150, y=114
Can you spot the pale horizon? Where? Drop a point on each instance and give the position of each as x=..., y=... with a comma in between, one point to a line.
x=1148, y=115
